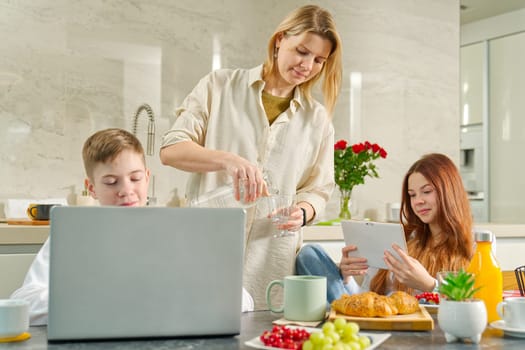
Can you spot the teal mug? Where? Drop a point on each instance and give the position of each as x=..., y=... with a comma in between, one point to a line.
x=304, y=298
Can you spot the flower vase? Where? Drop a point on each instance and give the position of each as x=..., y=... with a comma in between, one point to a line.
x=344, y=210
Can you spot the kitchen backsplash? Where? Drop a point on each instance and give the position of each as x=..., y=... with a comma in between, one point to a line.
x=70, y=67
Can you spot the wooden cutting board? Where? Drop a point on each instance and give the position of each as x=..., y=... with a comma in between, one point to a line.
x=27, y=222
x=418, y=321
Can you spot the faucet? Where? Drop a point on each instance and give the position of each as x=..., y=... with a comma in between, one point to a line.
x=152, y=200
x=150, y=146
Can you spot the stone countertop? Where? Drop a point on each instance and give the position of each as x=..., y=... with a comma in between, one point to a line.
x=254, y=323
x=22, y=234
x=335, y=233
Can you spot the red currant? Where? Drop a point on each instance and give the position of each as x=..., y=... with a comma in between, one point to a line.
x=284, y=337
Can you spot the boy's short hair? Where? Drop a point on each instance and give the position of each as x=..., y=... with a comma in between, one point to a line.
x=105, y=145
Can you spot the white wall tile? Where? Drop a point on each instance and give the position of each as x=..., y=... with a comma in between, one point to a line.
x=69, y=68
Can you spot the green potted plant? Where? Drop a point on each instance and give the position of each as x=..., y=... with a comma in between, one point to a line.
x=457, y=286
x=460, y=316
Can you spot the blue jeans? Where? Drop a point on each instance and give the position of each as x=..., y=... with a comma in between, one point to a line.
x=313, y=260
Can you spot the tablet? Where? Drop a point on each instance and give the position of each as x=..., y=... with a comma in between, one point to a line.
x=372, y=239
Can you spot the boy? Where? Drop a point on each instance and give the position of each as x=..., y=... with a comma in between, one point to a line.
x=116, y=173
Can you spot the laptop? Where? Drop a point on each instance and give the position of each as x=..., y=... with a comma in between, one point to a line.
x=372, y=239
x=146, y=272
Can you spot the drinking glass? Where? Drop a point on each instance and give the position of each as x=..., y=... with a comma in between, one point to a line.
x=281, y=208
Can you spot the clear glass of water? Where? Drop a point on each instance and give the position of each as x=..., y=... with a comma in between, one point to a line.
x=281, y=209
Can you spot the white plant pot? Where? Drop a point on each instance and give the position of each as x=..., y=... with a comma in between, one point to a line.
x=461, y=320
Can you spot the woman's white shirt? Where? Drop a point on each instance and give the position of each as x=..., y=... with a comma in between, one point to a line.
x=225, y=112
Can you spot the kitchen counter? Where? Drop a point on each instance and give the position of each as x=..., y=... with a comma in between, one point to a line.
x=510, y=240
x=335, y=233
x=254, y=323
x=22, y=234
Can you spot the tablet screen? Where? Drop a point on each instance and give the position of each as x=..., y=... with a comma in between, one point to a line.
x=372, y=239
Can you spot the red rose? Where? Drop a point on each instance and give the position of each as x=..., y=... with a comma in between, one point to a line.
x=340, y=145
x=358, y=148
x=351, y=167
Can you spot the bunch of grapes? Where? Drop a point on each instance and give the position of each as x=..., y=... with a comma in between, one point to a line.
x=284, y=338
x=337, y=335
x=428, y=298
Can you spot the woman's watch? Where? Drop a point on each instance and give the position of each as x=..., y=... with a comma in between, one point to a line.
x=436, y=286
x=304, y=216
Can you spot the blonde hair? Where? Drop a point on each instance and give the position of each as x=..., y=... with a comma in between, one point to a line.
x=105, y=145
x=312, y=19
x=454, y=247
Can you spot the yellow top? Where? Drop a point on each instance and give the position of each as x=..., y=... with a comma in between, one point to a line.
x=274, y=105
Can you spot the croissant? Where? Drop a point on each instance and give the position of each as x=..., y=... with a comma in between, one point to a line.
x=405, y=303
x=370, y=304
x=367, y=304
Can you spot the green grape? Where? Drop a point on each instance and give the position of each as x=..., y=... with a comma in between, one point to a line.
x=348, y=332
x=308, y=345
x=328, y=340
x=338, y=346
x=364, y=341
x=354, y=345
x=328, y=327
x=317, y=338
x=351, y=338
x=335, y=336
x=354, y=326
x=339, y=323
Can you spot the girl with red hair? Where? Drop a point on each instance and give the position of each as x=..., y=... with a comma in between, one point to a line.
x=436, y=217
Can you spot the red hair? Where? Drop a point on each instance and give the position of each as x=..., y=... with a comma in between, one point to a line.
x=453, y=248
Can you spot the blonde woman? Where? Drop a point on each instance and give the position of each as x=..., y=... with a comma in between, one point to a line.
x=237, y=124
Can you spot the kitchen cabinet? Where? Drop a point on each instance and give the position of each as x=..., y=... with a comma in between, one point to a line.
x=18, y=248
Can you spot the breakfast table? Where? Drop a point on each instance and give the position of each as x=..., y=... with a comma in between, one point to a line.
x=254, y=323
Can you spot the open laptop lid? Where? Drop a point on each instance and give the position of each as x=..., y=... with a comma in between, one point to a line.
x=372, y=239
x=145, y=272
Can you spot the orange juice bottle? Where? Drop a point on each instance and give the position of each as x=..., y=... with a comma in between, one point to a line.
x=487, y=273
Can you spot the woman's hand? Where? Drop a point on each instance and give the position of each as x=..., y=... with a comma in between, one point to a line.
x=192, y=157
x=351, y=265
x=248, y=176
x=408, y=270
x=295, y=220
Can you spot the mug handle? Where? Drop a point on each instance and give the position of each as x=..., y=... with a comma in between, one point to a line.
x=30, y=212
x=268, y=299
x=500, y=308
